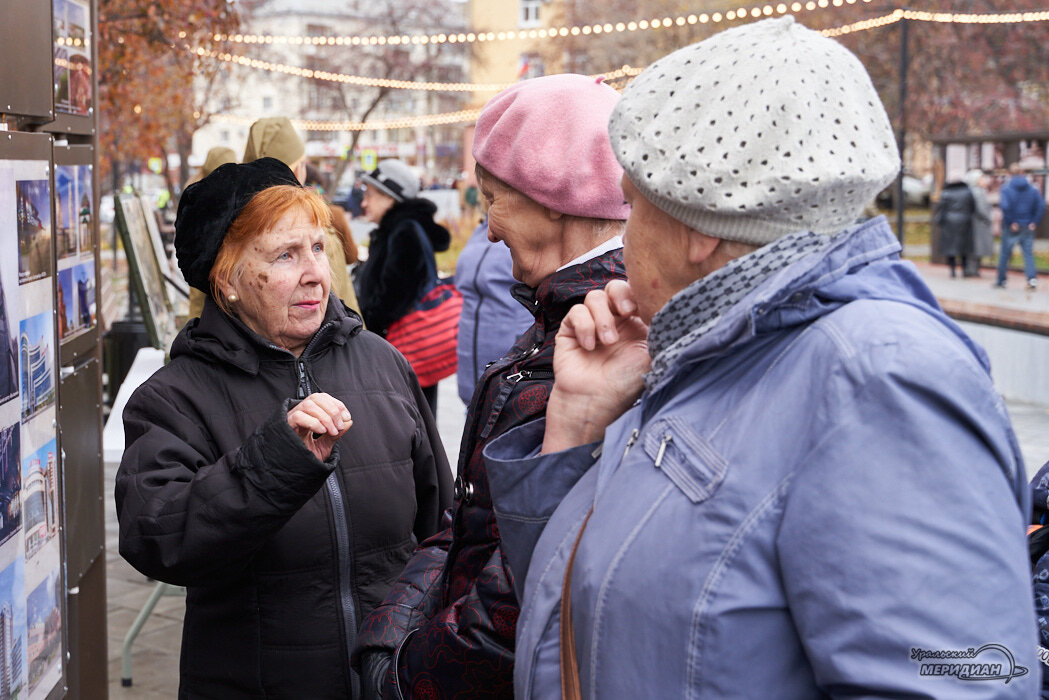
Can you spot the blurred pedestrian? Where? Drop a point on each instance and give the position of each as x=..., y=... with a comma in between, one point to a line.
x=492, y=316
x=983, y=240
x=1022, y=209
x=953, y=218
x=400, y=250
x=340, y=226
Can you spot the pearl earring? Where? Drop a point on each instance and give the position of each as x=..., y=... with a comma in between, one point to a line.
x=232, y=298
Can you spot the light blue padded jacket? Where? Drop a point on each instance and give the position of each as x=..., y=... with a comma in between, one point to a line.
x=823, y=497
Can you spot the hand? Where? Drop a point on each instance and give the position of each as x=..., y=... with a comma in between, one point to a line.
x=600, y=358
x=1030, y=227
x=320, y=420
x=1014, y=227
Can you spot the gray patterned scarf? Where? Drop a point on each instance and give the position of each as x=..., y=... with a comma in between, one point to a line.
x=695, y=309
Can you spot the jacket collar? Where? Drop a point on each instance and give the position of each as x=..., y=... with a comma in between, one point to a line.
x=556, y=294
x=861, y=263
x=218, y=337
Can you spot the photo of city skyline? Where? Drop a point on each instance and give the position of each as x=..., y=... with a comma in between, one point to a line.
x=40, y=497
x=10, y=482
x=43, y=628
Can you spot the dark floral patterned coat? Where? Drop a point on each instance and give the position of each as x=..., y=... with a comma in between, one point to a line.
x=451, y=617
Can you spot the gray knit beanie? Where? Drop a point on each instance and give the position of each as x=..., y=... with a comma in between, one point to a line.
x=756, y=132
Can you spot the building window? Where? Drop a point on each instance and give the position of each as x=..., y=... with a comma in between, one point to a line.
x=267, y=103
x=529, y=13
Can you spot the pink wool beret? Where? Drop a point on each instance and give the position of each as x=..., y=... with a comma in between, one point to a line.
x=548, y=138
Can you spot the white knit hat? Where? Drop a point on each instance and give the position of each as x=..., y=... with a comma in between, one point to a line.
x=756, y=132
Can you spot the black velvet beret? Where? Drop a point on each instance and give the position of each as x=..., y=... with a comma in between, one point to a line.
x=207, y=209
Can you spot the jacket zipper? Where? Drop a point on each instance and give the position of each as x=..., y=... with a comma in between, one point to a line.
x=342, y=544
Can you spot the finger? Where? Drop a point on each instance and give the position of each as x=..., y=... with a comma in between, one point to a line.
x=598, y=304
x=621, y=297
x=302, y=422
x=333, y=407
x=323, y=421
x=578, y=324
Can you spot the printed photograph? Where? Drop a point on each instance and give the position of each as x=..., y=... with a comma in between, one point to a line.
x=37, y=361
x=72, y=59
x=10, y=482
x=66, y=211
x=34, y=229
x=85, y=207
x=44, y=628
x=40, y=497
x=76, y=300
x=12, y=630
x=8, y=344
x=67, y=316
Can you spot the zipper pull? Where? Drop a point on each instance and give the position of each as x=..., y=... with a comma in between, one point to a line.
x=304, y=383
x=663, y=448
x=518, y=376
x=630, y=442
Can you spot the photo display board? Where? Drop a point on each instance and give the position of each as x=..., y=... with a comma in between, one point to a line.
x=31, y=586
x=147, y=276
x=74, y=226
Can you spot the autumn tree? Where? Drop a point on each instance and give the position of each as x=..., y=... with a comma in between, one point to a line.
x=152, y=85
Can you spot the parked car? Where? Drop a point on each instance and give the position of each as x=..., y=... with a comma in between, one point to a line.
x=916, y=192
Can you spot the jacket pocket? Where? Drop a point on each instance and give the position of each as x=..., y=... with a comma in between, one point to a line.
x=688, y=460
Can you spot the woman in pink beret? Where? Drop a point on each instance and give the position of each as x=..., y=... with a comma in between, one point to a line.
x=552, y=183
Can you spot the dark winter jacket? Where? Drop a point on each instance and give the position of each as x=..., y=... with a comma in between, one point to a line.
x=954, y=219
x=491, y=318
x=1020, y=203
x=452, y=614
x=282, y=555
x=396, y=273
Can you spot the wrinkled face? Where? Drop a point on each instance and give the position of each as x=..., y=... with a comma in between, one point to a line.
x=375, y=204
x=533, y=237
x=655, y=253
x=282, y=282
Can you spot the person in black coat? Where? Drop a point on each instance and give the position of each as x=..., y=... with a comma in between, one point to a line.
x=397, y=271
x=284, y=465
x=954, y=220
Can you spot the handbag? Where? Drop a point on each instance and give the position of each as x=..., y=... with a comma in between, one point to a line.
x=427, y=335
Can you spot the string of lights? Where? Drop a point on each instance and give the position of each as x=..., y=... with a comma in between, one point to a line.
x=466, y=116
x=655, y=23
x=625, y=71
x=755, y=12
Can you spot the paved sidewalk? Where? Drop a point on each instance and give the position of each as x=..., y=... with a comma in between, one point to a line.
x=156, y=651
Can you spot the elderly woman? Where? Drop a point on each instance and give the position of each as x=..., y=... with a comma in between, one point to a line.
x=401, y=249
x=770, y=467
x=284, y=466
x=545, y=167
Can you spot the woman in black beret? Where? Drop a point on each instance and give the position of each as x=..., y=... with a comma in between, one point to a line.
x=284, y=465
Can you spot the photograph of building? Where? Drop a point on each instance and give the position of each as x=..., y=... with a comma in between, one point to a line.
x=10, y=482
x=36, y=355
x=8, y=347
x=39, y=498
x=44, y=628
x=12, y=630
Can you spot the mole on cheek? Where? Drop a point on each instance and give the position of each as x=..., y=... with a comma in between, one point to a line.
x=264, y=277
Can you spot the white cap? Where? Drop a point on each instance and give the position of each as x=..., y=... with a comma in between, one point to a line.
x=756, y=132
